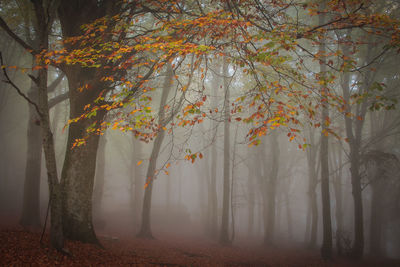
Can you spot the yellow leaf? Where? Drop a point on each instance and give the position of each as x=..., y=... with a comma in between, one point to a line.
x=139, y=162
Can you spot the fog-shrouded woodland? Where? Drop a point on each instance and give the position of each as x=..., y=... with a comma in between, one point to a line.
x=200, y=132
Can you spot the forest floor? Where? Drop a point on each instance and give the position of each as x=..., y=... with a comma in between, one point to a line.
x=20, y=247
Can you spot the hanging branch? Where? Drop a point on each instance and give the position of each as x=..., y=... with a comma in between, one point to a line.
x=17, y=88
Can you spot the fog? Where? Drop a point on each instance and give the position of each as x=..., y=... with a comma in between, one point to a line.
x=209, y=149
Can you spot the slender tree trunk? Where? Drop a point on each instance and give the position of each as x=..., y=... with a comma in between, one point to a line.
x=312, y=216
x=99, y=182
x=271, y=189
x=326, y=249
x=44, y=21
x=224, y=236
x=376, y=227
x=214, y=160
x=137, y=184
x=354, y=135
x=289, y=215
x=337, y=186
x=251, y=202
x=30, y=206
x=145, y=230
x=213, y=190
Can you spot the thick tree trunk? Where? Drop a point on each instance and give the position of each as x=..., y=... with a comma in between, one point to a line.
x=30, y=216
x=145, y=230
x=78, y=179
x=224, y=235
x=80, y=162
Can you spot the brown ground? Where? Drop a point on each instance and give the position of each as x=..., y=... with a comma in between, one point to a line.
x=19, y=247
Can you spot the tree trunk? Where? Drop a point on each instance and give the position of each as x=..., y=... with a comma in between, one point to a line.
x=289, y=215
x=214, y=160
x=99, y=183
x=354, y=135
x=358, y=245
x=337, y=186
x=56, y=220
x=30, y=216
x=251, y=201
x=271, y=189
x=80, y=162
x=145, y=230
x=326, y=249
x=138, y=184
x=312, y=215
x=224, y=235
x=376, y=227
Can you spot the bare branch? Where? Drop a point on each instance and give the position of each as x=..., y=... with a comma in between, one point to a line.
x=8, y=80
x=16, y=38
x=57, y=99
x=55, y=83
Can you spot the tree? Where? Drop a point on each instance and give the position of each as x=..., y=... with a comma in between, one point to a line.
x=312, y=207
x=326, y=249
x=145, y=230
x=224, y=232
x=98, y=189
x=45, y=15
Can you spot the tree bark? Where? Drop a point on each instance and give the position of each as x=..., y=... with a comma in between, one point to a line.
x=80, y=162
